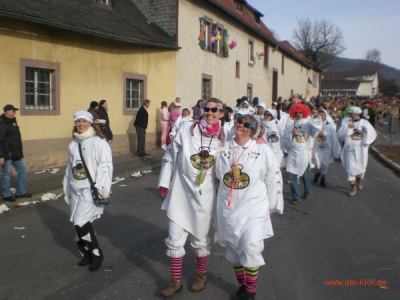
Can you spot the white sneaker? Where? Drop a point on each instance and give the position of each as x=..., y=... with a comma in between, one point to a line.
x=163, y=147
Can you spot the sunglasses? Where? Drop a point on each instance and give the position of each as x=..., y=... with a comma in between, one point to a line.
x=268, y=115
x=214, y=109
x=246, y=124
x=299, y=112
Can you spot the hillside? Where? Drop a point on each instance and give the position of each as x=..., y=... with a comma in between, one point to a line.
x=349, y=64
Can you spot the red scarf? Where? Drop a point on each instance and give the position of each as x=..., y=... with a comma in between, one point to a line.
x=210, y=130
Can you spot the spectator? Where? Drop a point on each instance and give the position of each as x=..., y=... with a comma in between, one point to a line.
x=103, y=114
x=174, y=115
x=11, y=154
x=89, y=143
x=357, y=135
x=164, y=124
x=141, y=122
x=94, y=110
x=198, y=110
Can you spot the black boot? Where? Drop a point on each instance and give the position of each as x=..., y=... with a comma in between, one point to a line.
x=322, y=183
x=316, y=177
x=95, y=264
x=87, y=255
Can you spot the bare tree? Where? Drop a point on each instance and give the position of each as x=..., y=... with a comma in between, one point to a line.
x=320, y=42
x=371, y=62
x=373, y=55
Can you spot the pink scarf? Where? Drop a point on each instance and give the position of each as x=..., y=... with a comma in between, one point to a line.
x=210, y=130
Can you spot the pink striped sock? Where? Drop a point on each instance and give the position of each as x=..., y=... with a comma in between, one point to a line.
x=251, y=279
x=176, y=268
x=240, y=273
x=202, y=264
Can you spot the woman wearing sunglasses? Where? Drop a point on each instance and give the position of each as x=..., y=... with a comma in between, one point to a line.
x=250, y=187
x=187, y=182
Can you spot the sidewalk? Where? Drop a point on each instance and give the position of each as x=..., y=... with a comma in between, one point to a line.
x=50, y=180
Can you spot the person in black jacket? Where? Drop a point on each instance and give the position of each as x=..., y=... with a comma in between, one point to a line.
x=103, y=114
x=11, y=154
x=141, y=121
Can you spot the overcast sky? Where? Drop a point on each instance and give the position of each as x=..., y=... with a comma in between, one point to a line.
x=366, y=24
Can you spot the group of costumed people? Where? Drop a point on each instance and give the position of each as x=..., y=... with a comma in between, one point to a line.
x=246, y=155
x=250, y=188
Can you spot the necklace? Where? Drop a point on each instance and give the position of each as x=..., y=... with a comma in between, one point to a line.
x=204, y=153
x=236, y=172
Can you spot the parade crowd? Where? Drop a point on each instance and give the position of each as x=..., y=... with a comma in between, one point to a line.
x=223, y=168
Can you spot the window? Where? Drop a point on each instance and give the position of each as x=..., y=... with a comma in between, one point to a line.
x=314, y=79
x=237, y=70
x=266, y=56
x=250, y=91
x=251, y=52
x=218, y=44
x=283, y=65
x=208, y=34
x=40, y=87
x=206, y=87
x=135, y=91
x=238, y=4
x=257, y=18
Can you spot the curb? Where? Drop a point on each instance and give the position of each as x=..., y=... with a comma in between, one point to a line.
x=389, y=163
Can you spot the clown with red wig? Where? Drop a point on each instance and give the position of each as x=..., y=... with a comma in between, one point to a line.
x=298, y=141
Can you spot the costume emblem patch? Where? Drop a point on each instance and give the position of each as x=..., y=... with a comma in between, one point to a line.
x=273, y=137
x=79, y=172
x=236, y=179
x=202, y=160
x=357, y=135
x=301, y=137
x=321, y=137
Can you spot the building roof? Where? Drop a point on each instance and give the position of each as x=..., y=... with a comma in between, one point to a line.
x=350, y=76
x=121, y=21
x=295, y=53
x=251, y=19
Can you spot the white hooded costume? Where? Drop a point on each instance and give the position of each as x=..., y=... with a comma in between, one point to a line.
x=244, y=205
x=326, y=145
x=356, y=144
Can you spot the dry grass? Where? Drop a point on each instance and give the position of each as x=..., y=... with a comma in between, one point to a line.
x=390, y=152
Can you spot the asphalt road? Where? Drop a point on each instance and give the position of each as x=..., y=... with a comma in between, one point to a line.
x=329, y=236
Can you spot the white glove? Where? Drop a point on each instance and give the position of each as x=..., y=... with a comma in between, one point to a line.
x=104, y=192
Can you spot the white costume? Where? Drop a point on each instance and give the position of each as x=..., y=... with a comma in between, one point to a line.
x=299, y=147
x=244, y=206
x=326, y=147
x=178, y=123
x=272, y=136
x=97, y=155
x=189, y=203
x=355, y=148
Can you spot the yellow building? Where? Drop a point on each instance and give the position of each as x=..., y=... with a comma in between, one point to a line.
x=57, y=58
